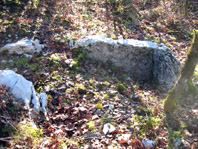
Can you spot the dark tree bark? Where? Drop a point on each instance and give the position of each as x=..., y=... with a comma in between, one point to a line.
x=185, y=86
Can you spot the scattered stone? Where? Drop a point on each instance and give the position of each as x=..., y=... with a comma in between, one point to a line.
x=144, y=60
x=28, y=56
x=82, y=109
x=23, y=89
x=123, y=112
x=178, y=143
x=105, y=106
x=146, y=93
x=124, y=137
x=112, y=93
x=108, y=128
x=98, y=111
x=111, y=106
x=149, y=143
x=22, y=47
x=93, y=135
x=43, y=101
x=95, y=117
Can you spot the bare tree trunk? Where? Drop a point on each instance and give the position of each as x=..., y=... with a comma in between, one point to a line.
x=186, y=8
x=185, y=85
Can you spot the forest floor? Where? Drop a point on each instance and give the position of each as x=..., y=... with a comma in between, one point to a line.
x=82, y=99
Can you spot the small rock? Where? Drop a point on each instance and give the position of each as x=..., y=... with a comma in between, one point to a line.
x=149, y=143
x=105, y=106
x=112, y=93
x=71, y=43
x=178, y=143
x=120, y=105
x=43, y=101
x=47, y=88
x=123, y=112
x=28, y=55
x=93, y=135
x=98, y=111
x=108, y=128
x=94, y=117
x=52, y=89
x=24, y=71
x=146, y=94
x=111, y=106
x=124, y=137
x=82, y=109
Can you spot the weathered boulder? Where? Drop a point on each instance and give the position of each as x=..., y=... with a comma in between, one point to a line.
x=22, y=47
x=144, y=60
x=23, y=89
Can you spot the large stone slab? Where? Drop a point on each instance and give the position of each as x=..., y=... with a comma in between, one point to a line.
x=22, y=47
x=144, y=60
x=23, y=89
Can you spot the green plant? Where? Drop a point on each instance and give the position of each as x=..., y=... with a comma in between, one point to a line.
x=56, y=77
x=121, y=87
x=5, y=65
x=33, y=67
x=157, y=40
x=153, y=121
x=4, y=52
x=75, y=66
x=105, y=119
x=50, y=98
x=91, y=125
x=173, y=137
x=87, y=76
x=21, y=62
x=124, y=76
x=81, y=88
x=7, y=130
x=81, y=57
x=106, y=96
x=28, y=129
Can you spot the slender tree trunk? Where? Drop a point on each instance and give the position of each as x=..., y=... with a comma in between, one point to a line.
x=185, y=85
x=186, y=8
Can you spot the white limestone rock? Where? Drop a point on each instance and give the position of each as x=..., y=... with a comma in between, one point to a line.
x=108, y=128
x=22, y=47
x=23, y=89
x=144, y=60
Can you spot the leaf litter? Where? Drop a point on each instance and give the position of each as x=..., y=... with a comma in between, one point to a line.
x=85, y=96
